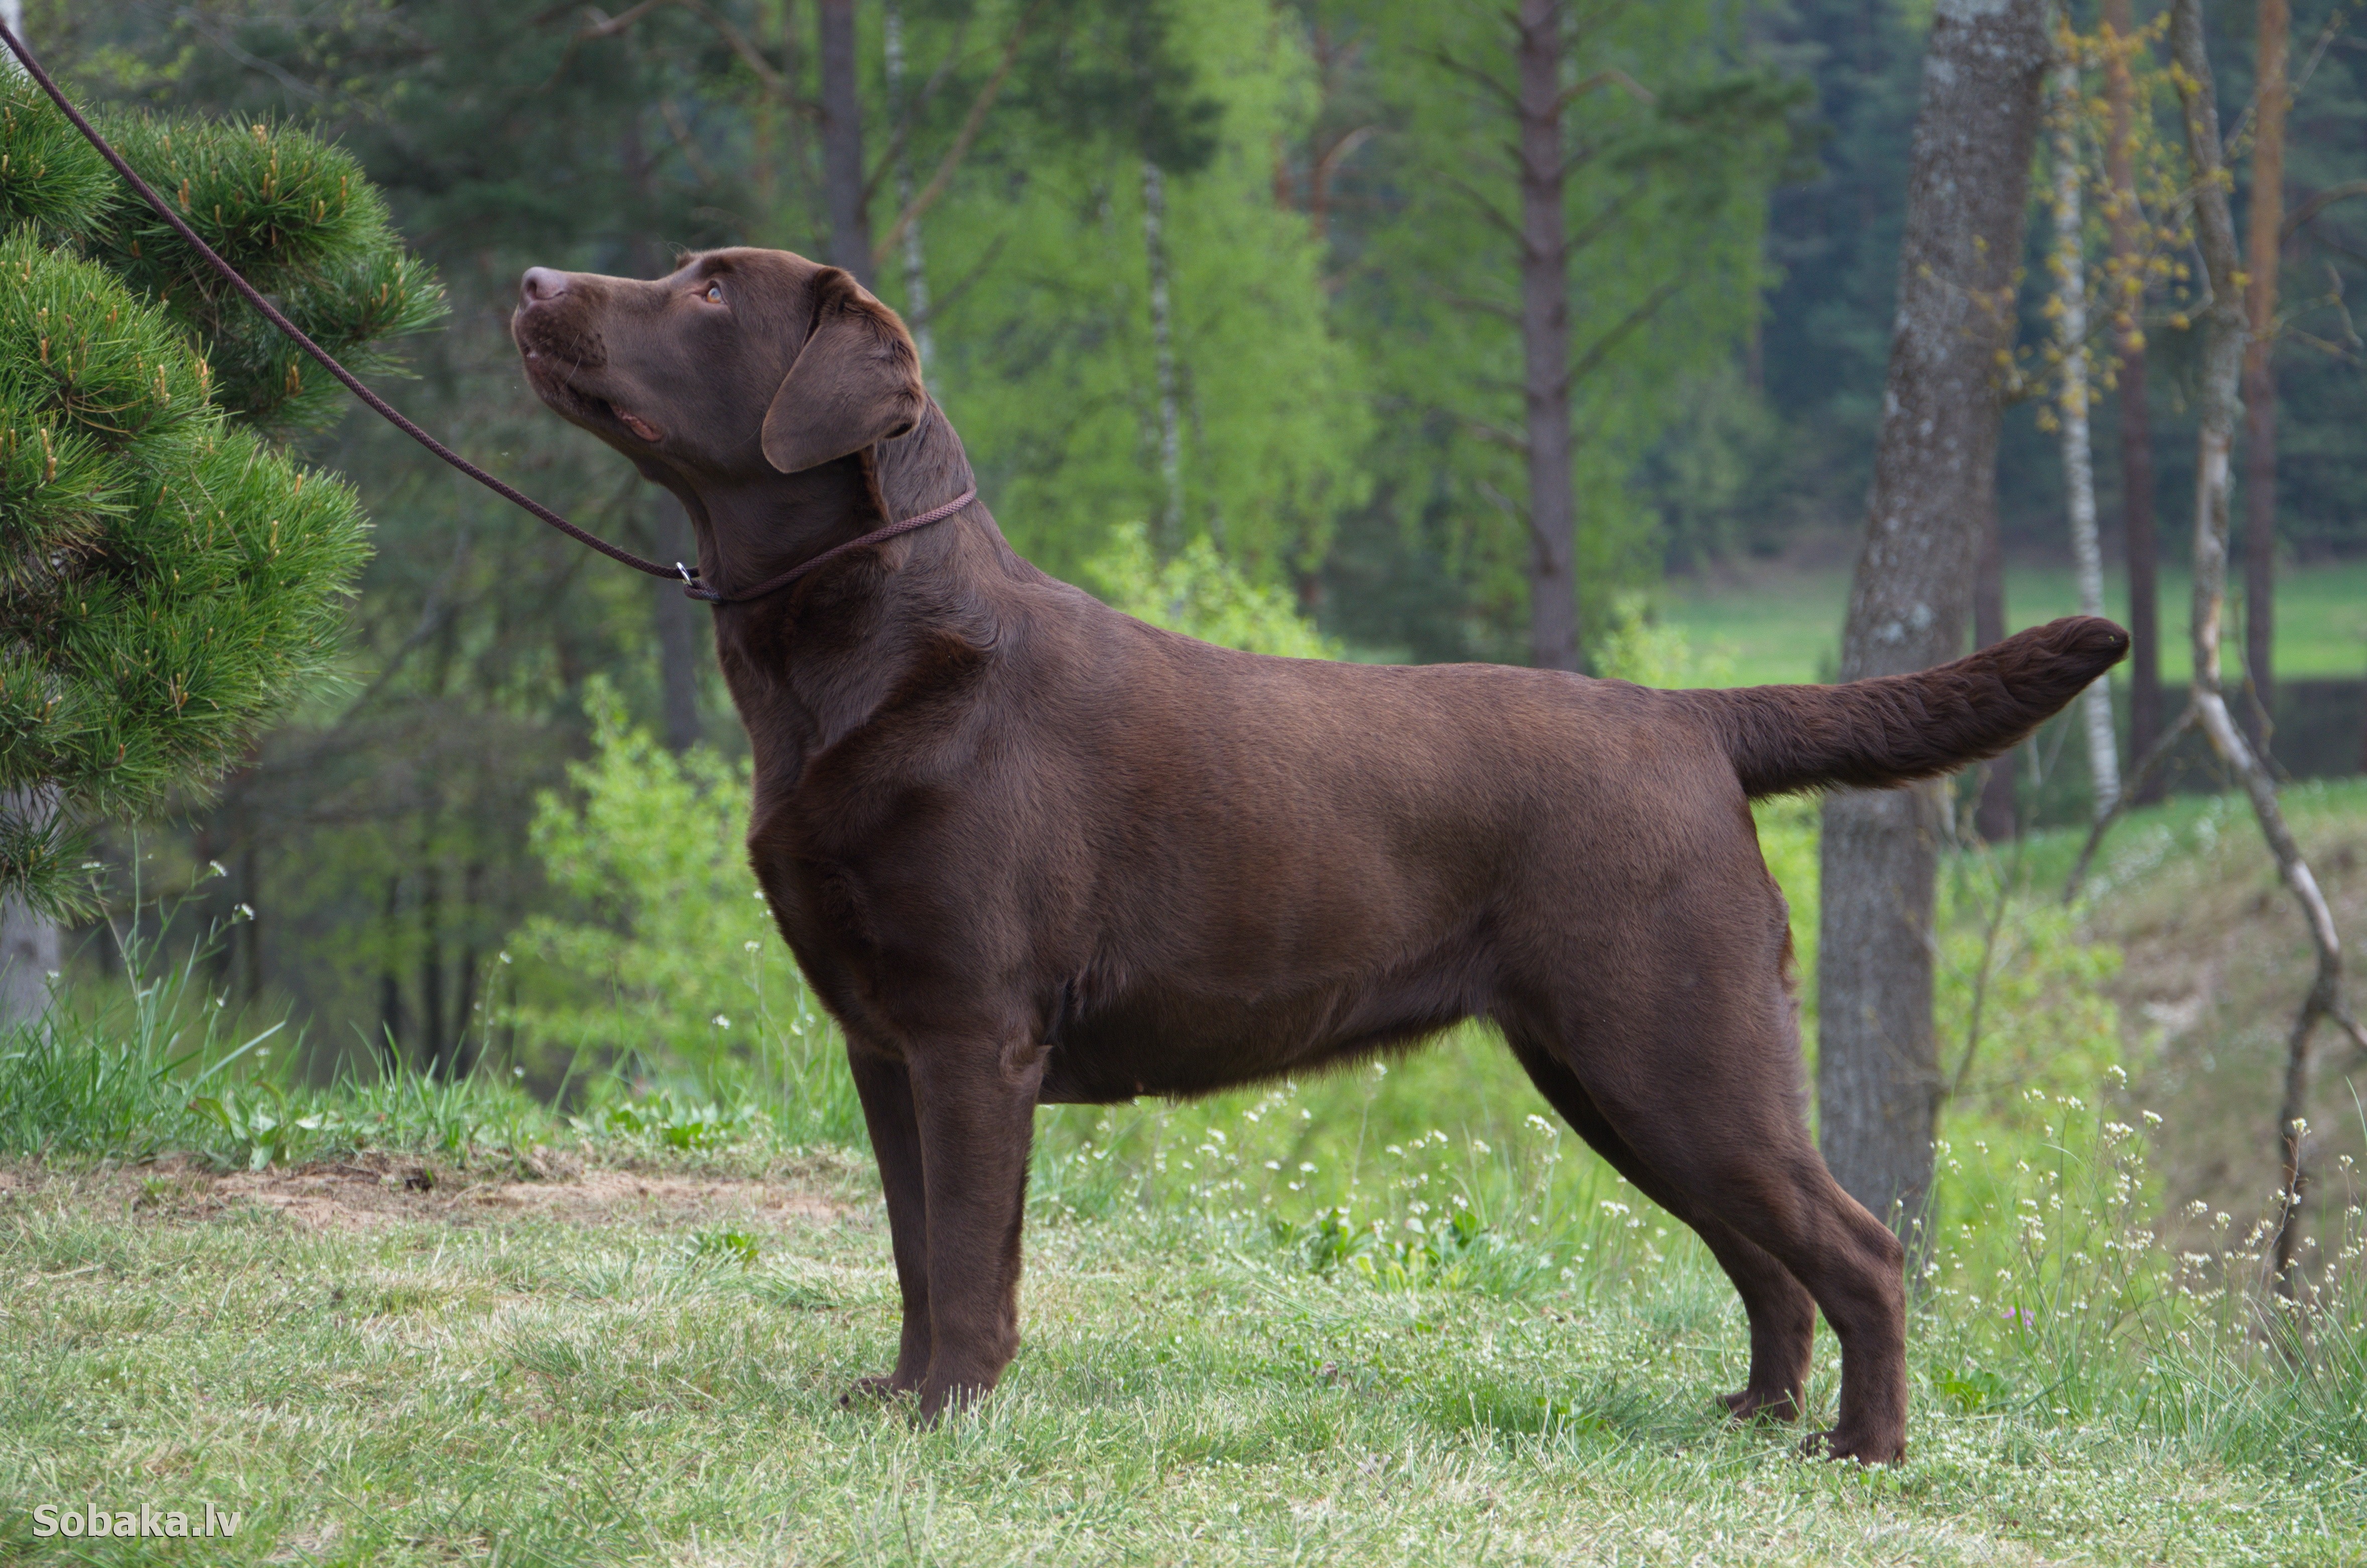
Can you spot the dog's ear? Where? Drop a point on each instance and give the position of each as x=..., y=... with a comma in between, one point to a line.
x=857, y=380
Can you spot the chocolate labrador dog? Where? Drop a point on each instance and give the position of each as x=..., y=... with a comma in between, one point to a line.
x=1027, y=849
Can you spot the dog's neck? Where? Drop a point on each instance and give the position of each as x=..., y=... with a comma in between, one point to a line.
x=809, y=664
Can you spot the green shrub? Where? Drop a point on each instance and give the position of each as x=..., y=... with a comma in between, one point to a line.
x=669, y=963
x=1200, y=594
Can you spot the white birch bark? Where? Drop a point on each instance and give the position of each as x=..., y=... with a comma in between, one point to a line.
x=916, y=272
x=2078, y=460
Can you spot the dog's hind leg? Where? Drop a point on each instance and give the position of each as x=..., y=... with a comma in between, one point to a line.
x=975, y=1100
x=1783, y=1316
x=1689, y=1062
x=888, y=1114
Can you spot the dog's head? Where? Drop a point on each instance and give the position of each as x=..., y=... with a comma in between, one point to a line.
x=740, y=364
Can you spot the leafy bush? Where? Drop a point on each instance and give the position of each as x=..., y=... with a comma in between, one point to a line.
x=669, y=963
x=1200, y=594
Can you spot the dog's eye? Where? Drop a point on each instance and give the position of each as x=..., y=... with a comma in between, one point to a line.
x=714, y=295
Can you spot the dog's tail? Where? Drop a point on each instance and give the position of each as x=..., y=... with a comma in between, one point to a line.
x=1896, y=729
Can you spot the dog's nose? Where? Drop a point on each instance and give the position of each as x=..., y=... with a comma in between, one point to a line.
x=542, y=283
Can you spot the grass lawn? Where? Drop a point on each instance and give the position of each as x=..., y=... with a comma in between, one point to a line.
x=647, y=1368
x=1780, y=624
x=1386, y=1316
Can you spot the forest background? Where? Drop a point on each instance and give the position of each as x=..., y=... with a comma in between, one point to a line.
x=1236, y=272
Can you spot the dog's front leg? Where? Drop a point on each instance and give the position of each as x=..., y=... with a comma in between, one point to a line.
x=887, y=1110
x=976, y=1100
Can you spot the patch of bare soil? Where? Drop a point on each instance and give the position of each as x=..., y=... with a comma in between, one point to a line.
x=372, y=1189
x=2217, y=963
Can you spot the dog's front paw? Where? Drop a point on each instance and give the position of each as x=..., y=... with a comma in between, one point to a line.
x=1751, y=1404
x=871, y=1390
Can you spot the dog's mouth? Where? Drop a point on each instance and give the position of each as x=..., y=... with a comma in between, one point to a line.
x=559, y=379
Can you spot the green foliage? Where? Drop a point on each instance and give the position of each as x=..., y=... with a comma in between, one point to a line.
x=669, y=963
x=1201, y=594
x=49, y=174
x=1636, y=646
x=1666, y=203
x=670, y=1121
x=1046, y=357
x=166, y=580
x=295, y=214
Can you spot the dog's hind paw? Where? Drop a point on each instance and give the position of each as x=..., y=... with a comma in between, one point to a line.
x=1864, y=1447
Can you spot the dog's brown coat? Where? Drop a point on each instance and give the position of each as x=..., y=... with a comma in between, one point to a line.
x=1029, y=849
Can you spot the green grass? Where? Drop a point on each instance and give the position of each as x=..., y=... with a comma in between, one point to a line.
x=1393, y=1315
x=1782, y=624
x=1191, y=1391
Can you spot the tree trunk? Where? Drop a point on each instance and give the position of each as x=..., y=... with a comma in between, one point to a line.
x=30, y=952
x=916, y=272
x=677, y=619
x=1162, y=351
x=434, y=1026
x=1544, y=340
x=674, y=619
x=1878, y=1079
x=2078, y=454
x=1994, y=817
x=390, y=1029
x=250, y=879
x=842, y=139
x=2267, y=220
x=2125, y=301
x=31, y=947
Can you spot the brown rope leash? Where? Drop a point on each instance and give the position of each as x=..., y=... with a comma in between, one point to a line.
x=693, y=585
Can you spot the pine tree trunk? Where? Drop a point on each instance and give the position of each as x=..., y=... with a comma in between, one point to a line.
x=842, y=139
x=2126, y=300
x=1878, y=1079
x=1544, y=340
x=2267, y=220
x=32, y=949
x=2078, y=452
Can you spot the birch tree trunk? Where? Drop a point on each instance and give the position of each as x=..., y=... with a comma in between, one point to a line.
x=1545, y=338
x=1162, y=350
x=916, y=273
x=842, y=139
x=1878, y=1080
x=2126, y=300
x=2266, y=223
x=2078, y=453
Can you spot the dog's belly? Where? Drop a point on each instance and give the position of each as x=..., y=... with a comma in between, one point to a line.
x=1182, y=1044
